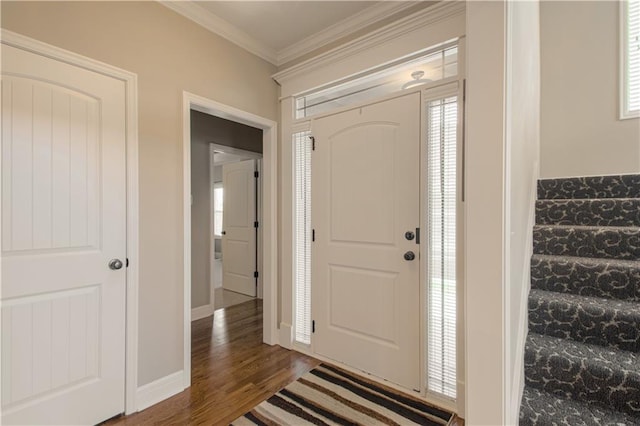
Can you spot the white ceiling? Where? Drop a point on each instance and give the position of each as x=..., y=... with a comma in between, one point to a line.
x=279, y=24
x=282, y=31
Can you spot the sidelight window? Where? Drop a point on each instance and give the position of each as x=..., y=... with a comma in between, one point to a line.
x=631, y=59
x=442, y=280
x=302, y=237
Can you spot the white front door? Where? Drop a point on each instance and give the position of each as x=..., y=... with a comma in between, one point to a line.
x=238, y=230
x=63, y=220
x=365, y=188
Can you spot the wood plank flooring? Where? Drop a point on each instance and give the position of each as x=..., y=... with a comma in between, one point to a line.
x=231, y=371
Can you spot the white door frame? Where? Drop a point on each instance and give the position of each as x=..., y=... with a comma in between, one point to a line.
x=269, y=213
x=130, y=81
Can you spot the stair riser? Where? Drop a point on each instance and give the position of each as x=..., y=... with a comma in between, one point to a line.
x=615, y=328
x=621, y=186
x=607, y=280
x=588, y=212
x=620, y=243
x=582, y=381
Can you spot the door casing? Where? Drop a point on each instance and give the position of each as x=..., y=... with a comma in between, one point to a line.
x=269, y=234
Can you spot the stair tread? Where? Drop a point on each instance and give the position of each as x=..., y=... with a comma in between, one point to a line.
x=587, y=276
x=595, y=261
x=586, y=200
x=589, y=212
x=588, y=373
x=611, y=242
x=540, y=407
x=596, y=302
x=607, y=322
x=586, y=187
x=587, y=353
x=630, y=229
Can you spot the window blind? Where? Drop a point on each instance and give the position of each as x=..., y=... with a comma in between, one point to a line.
x=632, y=48
x=441, y=264
x=302, y=238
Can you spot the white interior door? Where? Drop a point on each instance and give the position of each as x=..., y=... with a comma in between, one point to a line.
x=63, y=220
x=365, y=189
x=239, y=232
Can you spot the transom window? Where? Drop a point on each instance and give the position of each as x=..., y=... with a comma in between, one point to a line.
x=437, y=64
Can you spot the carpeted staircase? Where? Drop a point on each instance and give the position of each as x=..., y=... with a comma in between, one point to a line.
x=582, y=355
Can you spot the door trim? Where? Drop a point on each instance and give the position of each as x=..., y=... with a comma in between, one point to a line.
x=130, y=81
x=269, y=213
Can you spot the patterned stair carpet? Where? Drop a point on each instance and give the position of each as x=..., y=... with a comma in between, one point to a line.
x=582, y=355
x=328, y=395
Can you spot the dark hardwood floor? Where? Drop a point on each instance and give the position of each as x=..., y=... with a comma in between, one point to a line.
x=231, y=371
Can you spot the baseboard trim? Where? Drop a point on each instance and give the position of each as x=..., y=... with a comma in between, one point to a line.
x=201, y=312
x=286, y=335
x=159, y=390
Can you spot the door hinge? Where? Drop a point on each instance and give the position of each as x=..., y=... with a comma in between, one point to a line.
x=313, y=235
x=256, y=224
x=313, y=326
x=255, y=274
x=313, y=143
x=126, y=263
x=256, y=174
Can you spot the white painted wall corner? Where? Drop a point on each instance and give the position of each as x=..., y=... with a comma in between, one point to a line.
x=159, y=390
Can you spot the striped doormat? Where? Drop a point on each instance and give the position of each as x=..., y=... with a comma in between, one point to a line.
x=328, y=395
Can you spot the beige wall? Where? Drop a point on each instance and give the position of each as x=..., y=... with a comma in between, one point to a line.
x=523, y=152
x=170, y=54
x=581, y=134
x=200, y=224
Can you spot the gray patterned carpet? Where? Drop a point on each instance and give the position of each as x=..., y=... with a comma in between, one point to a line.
x=582, y=356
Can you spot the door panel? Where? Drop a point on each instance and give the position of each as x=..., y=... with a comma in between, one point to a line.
x=239, y=238
x=365, y=177
x=63, y=219
x=361, y=162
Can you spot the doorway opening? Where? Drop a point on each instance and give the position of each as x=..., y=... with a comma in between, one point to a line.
x=235, y=188
x=268, y=243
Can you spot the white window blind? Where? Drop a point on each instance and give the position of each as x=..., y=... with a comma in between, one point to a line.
x=302, y=238
x=441, y=265
x=632, y=58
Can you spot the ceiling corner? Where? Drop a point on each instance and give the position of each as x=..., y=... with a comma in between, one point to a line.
x=219, y=26
x=340, y=29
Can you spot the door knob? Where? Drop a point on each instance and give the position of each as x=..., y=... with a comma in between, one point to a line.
x=409, y=235
x=224, y=232
x=115, y=264
x=409, y=255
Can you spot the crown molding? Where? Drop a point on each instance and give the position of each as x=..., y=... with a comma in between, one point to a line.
x=341, y=29
x=438, y=12
x=217, y=25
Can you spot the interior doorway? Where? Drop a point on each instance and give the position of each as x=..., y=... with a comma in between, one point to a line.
x=235, y=239
x=268, y=243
